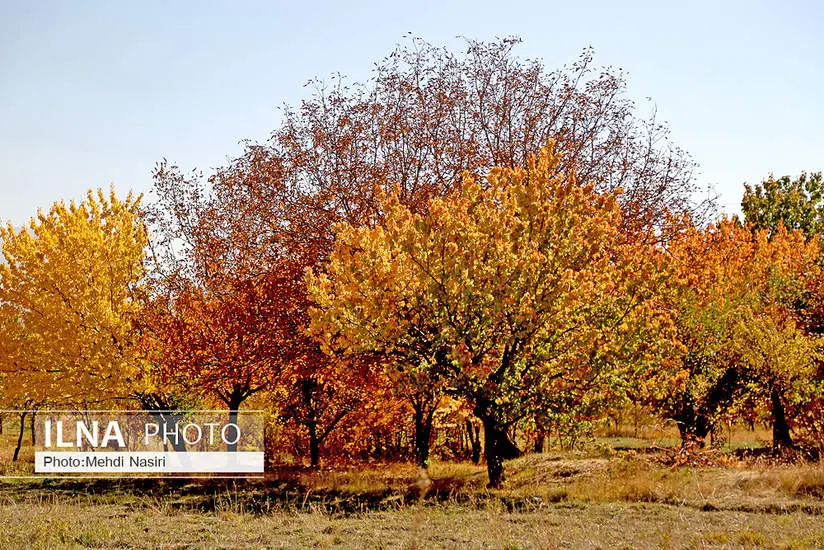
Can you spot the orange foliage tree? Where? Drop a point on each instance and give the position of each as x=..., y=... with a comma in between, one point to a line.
x=497, y=291
x=730, y=294
x=233, y=305
x=426, y=116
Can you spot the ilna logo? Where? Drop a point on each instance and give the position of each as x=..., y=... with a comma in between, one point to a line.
x=149, y=442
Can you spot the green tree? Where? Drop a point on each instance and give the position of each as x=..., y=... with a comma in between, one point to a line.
x=795, y=203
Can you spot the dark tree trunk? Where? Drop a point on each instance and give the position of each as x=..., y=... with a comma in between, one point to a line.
x=692, y=426
x=232, y=447
x=540, y=441
x=235, y=399
x=33, y=433
x=781, y=430
x=497, y=448
x=694, y=418
x=309, y=419
x=310, y=415
x=168, y=419
x=703, y=427
x=423, y=431
x=19, y=437
x=474, y=433
x=160, y=409
x=314, y=444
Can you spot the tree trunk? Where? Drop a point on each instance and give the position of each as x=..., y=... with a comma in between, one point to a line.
x=497, y=448
x=234, y=404
x=781, y=430
x=314, y=444
x=167, y=419
x=692, y=426
x=540, y=441
x=474, y=433
x=423, y=432
x=695, y=417
x=33, y=434
x=159, y=408
x=19, y=436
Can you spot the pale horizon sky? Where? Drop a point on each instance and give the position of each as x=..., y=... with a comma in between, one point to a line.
x=95, y=93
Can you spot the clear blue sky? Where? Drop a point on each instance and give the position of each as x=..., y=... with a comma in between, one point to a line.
x=94, y=93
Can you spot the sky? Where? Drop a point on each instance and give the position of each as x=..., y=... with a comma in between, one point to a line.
x=94, y=94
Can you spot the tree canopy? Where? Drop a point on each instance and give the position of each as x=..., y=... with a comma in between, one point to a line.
x=69, y=288
x=794, y=203
x=498, y=290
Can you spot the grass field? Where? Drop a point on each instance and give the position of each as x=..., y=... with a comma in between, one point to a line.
x=607, y=525
x=643, y=496
x=550, y=501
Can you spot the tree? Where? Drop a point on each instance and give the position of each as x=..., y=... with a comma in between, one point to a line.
x=731, y=294
x=322, y=393
x=794, y=203
x=704, y=296
x=498, y=290
x=229, y=342
x=426, y=116
x=780, y=354
x=231, y=302
x=69, y=290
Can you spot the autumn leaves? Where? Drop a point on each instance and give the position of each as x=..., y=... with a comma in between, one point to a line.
x=738, y=298
x=489, y=297
x=522, y=293
x=404, y=256
x=521, y=298
x=68, y=296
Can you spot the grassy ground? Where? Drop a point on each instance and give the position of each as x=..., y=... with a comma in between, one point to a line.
x=609, y=525
x=550, y=501
x=646, y=496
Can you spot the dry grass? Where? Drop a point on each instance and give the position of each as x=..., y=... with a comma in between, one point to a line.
x=641, y=478
x=452, y=526
x=562, y=500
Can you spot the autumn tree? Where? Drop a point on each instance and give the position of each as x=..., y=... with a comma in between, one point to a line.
x=424, y=118
x=228, y=343
x=780, y=354
x=704, y=297
x=794, y=204
x=323, y=394
x=731, y=296
x=24, y=390
x=498, y=290
x=231, y=303
x=69, y=289
x=427, y=115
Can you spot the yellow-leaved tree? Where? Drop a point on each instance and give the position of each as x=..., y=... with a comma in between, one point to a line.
x=493, y=294
x=780, y=354
x=734, y=295
x=68, y=291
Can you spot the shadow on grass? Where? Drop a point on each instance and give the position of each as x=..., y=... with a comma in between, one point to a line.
x=563, y=483
x=286, y=489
